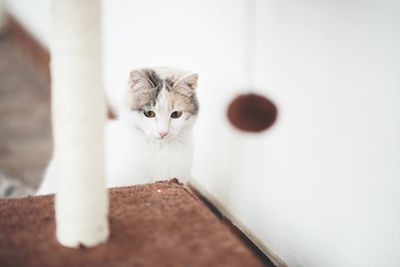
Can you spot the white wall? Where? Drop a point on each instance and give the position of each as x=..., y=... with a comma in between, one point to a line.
x=320, y=188
x=189, y=35
x=34, y=15
x=326, y=188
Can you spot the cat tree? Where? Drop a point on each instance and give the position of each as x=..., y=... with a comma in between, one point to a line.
x=79, y=114
x=160, y=224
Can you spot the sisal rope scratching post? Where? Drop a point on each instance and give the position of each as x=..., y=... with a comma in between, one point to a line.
x=79, y=114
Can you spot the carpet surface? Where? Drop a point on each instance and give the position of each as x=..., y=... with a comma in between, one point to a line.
x=160, y=224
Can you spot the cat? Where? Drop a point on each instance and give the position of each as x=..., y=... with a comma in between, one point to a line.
x=151, y=139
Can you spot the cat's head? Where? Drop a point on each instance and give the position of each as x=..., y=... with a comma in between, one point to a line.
x=162, y=102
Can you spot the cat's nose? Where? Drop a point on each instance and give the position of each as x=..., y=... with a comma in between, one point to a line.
x=163, y=134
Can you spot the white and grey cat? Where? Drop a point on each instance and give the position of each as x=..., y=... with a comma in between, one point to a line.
x=151, y=139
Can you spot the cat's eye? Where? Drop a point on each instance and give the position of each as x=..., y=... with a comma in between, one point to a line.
x=176, y=114
x=149, y=113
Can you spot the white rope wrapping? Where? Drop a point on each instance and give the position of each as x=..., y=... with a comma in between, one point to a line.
x=79, y=114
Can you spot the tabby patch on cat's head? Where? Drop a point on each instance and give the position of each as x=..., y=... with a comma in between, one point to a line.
x=164, y=100
x=146, y=85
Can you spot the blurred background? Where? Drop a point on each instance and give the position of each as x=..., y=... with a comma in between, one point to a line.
x=319, y=188
x=25, y=131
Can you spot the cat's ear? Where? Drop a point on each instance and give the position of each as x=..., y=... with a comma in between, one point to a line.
x=188, y=82
x=138, y=80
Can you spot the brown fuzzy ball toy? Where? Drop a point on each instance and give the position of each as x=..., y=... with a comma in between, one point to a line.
x=252, y=113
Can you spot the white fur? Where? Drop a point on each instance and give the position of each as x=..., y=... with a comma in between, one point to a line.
x=135, y=152
x=134, y=158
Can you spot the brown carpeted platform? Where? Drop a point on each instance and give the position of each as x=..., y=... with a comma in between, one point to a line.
x=160, y=224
